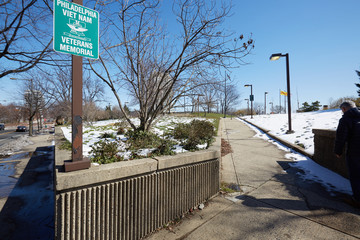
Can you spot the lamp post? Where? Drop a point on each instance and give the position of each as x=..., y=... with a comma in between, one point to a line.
x=251, y=98
x=265, y=103
x=225, y=100
x=276, y=56
x=272, y=106
x=248, y=105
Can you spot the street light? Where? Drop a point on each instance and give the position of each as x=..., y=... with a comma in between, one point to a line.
x=248, y=105
x=276, y=56
x=251, y=98
x=272, y=106
x=265, y=103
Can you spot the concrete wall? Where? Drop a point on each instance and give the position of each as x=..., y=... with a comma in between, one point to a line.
x=324, y=141
x=130, y=199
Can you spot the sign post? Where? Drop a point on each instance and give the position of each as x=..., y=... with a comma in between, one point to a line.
x=76, y=31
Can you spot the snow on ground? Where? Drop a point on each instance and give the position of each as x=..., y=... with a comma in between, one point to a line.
x=91, y=133
x=302, y=124
x=14, y=145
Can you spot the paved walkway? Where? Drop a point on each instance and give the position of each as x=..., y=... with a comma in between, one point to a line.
x=27, y=203
x=274, y=203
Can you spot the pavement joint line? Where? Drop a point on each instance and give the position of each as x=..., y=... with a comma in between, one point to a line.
x=188, y=233
x=232, y=157
x=304, y=196
x=298, y=215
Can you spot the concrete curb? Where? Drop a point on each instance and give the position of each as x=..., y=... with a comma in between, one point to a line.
x=289, y=145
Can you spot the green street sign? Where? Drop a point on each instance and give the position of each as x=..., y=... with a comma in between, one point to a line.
x=76, y=29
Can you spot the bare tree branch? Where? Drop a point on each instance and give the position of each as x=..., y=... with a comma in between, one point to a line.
x=158, y=68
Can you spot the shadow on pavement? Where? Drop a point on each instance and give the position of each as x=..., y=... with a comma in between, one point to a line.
x=28, y=212
x=307, y=199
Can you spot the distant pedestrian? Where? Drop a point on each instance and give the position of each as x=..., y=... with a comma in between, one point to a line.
x=348, y=131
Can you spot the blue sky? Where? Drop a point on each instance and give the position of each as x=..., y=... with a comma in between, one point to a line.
x=322, y=38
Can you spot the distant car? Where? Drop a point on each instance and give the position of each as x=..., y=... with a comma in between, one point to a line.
x=21, y=129
x=2, y=126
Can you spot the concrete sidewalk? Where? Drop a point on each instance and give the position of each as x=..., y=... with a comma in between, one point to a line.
x=27, y=202
x=273, y=202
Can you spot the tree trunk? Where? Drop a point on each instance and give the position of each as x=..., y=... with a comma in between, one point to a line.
x=31, y=125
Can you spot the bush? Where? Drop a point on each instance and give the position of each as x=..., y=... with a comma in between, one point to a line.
x=104, y=151
x=138, y=139
x=194, y=133
x=165, y=148
x=121, y=131
x=65, y=145
x=107, y=135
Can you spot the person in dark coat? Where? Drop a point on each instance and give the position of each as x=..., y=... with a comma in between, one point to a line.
x=348, y=131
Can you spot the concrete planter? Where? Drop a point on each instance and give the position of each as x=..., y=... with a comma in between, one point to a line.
x=130, y=199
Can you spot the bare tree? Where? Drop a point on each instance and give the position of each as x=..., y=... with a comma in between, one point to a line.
x=10, y=113
x=57, y=87
x=25, y=36
x=209, y=97
x=34, y=101
x=278, y=109
x=158, y=68
x=230, y=99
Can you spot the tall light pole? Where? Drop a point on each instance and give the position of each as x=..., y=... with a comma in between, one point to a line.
x=272, y=106
x=251, y=98
x=248, y=110
x=265, y=103
x=276, y=56
x=225, y=96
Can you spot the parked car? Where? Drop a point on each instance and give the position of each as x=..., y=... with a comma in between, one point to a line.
x=21, y=129
x=2, y=126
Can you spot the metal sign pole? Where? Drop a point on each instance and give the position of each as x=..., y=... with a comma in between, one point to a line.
x=78, y=162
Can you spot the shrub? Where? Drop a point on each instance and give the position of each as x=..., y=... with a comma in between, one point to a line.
x=165, y=148
x=181, y=131
x=194, y=133
x=121, y=131
x=104, y=151
x=107, y=135
x=65, y=145
x=138, y=139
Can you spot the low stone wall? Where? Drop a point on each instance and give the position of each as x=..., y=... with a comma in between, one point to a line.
x=324, y=141
x=130, y=199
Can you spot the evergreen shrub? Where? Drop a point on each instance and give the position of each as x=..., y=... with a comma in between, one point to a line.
x=194, y=133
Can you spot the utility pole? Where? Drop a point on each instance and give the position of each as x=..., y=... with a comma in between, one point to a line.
x=225, y=98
